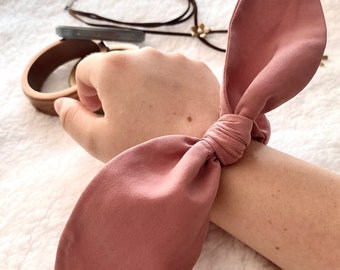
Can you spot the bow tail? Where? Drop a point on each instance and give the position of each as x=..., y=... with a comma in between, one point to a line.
x=148, y=209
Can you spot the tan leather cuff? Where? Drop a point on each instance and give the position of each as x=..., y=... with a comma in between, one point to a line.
x=44, y=63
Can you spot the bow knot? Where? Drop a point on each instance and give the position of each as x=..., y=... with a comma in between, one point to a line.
x=229, y=137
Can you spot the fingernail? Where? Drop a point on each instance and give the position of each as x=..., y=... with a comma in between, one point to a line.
x=57, y=105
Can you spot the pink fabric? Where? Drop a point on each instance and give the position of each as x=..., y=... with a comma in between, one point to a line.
x=149, y=207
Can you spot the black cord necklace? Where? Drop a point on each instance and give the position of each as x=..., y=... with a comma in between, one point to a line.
x=198, y=30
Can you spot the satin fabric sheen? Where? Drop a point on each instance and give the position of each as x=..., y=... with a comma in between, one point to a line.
x=148, y=208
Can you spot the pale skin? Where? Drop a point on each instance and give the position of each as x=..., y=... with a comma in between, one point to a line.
x=282, y=207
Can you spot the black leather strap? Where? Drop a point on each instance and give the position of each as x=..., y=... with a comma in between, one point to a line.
x=191, y=11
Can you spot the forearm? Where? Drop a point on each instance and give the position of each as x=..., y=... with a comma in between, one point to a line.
x=284, y=208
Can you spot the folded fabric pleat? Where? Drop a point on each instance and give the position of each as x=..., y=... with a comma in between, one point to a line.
x=148, y=208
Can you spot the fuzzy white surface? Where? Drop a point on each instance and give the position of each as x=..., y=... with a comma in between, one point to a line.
x=43, y=172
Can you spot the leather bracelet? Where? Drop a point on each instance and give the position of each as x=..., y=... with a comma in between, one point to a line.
x=45, y=62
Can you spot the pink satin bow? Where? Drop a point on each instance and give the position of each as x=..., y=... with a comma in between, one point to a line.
x=149, y=207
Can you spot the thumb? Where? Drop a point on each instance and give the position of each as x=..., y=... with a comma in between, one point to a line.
x=81, y=124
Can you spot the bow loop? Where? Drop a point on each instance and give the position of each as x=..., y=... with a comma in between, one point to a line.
x=274, y=49
x=229, y=137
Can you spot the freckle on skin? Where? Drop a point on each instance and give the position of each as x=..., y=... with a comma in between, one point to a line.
x=189, y=118
x=277, y=248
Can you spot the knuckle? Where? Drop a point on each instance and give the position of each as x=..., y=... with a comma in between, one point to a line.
x=110, y=66
x=150, y=52
x=114, y=60
x=180, y=56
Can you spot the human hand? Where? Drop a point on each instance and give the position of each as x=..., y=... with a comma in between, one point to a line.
x=144, y=94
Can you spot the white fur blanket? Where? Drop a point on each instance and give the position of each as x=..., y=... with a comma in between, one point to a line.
x=43, y=171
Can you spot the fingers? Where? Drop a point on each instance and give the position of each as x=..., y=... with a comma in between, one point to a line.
x=84, y=126
x=86, y=79
x=88, y=96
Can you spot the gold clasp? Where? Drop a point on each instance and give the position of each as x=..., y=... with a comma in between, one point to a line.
x=200, y=30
